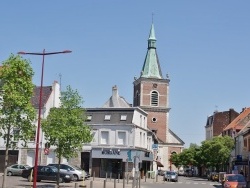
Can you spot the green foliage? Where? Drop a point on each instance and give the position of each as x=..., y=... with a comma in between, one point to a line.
x=65, y=127
x=16, y=111
x=217, y=151
x=212, y=153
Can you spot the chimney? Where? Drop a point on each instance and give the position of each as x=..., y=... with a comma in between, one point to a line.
x=114, y=92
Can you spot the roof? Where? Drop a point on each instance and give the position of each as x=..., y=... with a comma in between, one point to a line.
x=115, y=100
x=46, y=92
x=151, y=67
x=98, y=115
x=240, y=121
x=174, y=138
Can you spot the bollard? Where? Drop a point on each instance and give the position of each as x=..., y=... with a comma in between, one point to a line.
x=140, y=183
x=91, y=184
x=127, y=178
x=106, y=176
x=76, y=185
x=145, y=177
x=118, y=178
x=110, y=175
x=104, y=184
x=94, y=176
x=123, y=182
x=83, y=180
x=114, y=183
x=157, y=178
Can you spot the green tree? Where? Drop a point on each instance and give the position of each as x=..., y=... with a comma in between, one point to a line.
x=175, y=160
x=65, y=126
x=16, y=110
x=216, y=151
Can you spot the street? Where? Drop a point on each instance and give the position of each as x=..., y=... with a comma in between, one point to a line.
x=183, y=182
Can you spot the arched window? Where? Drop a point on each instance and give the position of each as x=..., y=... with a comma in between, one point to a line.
x=154, y=98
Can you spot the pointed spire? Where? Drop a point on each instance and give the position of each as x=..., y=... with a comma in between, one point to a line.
x=151, y=67
x=152, y=33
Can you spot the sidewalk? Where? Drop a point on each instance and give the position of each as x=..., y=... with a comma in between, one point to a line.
x=99, y=182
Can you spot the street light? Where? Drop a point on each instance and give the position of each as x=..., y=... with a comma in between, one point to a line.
x=40, y=105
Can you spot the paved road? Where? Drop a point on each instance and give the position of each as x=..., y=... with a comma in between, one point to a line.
x=184, y=182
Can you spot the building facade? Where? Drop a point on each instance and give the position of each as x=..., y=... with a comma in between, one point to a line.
x=23, y=155
x=218, y=121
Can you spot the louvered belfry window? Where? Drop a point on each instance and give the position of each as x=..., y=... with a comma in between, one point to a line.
x=154, y=98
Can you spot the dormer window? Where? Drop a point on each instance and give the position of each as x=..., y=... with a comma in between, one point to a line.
x=107, y=117
x=123, y=117
x=89, y=117
x=154, y=98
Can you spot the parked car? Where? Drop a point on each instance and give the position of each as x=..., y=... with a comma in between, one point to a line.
x=181, y=172
x=16, y=169
x=234, y=180
x=47, y=173
x=209, y=175
x=161, y=172
x=171, y=176
x=74, y=170
x=215, y=176
x=188, y=173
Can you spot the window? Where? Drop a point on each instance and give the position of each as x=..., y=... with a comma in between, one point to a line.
x=33, y=136
x=121, y=138
x=107, y=117
x=95, y=136
x=16, y=134
x=89, y=117
x=245, y=142
x=104, y=137
x=154, y=98
x=248, y=144
x=123, y=117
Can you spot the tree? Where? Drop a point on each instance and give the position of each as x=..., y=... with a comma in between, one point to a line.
x=216, y=151
x=65, y=126
x=16, y=110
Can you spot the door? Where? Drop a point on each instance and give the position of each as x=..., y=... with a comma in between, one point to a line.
x=51, y=157
x=30, y=157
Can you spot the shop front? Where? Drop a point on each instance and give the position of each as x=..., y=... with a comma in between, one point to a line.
x=113, y=163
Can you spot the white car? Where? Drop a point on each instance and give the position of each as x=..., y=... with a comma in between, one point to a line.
x=77, y=172
x=16, y=169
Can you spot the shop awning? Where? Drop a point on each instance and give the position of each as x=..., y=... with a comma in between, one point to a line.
x=159, y=164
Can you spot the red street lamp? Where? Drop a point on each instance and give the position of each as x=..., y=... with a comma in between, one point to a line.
x=40, y=105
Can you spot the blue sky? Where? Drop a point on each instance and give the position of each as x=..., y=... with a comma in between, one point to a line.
x=204, y=46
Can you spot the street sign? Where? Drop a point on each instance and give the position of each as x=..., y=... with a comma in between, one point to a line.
x=46, y=151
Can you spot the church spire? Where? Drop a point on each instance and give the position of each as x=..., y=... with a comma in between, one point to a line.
x=151, y=67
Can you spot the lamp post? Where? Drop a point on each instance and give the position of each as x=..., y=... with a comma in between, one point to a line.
x=40, y=106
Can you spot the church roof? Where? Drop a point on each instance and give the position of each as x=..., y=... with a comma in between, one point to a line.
x=115, y=100
x=151, y=67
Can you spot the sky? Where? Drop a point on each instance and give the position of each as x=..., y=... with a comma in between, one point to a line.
x=204, y=47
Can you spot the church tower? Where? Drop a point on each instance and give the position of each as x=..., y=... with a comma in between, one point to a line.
x=151, y=91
